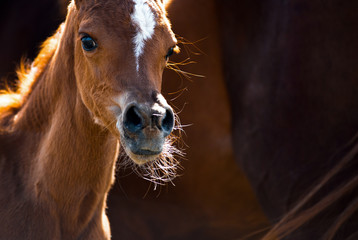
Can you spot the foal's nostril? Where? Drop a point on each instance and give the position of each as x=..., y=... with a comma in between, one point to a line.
x=168, y=121
x=137, y=117
x=132, y=119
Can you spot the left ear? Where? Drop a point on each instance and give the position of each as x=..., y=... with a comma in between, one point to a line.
x=166, y=3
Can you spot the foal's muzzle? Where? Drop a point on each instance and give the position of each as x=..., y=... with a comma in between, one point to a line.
x=136, y=118
x=144, y=130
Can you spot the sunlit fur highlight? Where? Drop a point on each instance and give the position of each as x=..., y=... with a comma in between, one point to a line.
x=11, y=101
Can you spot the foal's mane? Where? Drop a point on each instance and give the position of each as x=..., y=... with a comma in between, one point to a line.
x=27, y=74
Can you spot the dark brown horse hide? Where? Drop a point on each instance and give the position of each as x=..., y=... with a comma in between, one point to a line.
x=291, y=70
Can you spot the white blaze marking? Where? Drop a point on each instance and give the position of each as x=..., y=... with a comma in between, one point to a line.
x=144, y=20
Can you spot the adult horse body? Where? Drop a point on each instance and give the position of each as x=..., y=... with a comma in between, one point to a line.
x=95, y=82
x=291, y=69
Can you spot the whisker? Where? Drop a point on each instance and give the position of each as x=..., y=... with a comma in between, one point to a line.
x=161, y=171
x=186, y=43
x=187, y=75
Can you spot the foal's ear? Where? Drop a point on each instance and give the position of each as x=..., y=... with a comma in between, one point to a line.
x=78, y=3
x=166, y=2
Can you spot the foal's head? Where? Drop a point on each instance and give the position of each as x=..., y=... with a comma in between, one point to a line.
x=121, y=50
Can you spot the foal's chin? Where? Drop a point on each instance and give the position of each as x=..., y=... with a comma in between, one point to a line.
x=141, y=159
x=143, y=151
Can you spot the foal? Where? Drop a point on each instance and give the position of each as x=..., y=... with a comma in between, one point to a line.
x=95, y=85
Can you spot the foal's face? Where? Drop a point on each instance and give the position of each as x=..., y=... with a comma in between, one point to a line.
x=121, y=50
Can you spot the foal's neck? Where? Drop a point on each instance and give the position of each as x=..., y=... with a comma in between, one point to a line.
x=73, y=165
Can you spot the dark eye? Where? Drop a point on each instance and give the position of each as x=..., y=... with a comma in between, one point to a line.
x=88, y=44
x=170, y=52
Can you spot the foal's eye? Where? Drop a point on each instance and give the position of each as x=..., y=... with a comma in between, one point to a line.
x=170, y=52
x=88, y=44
